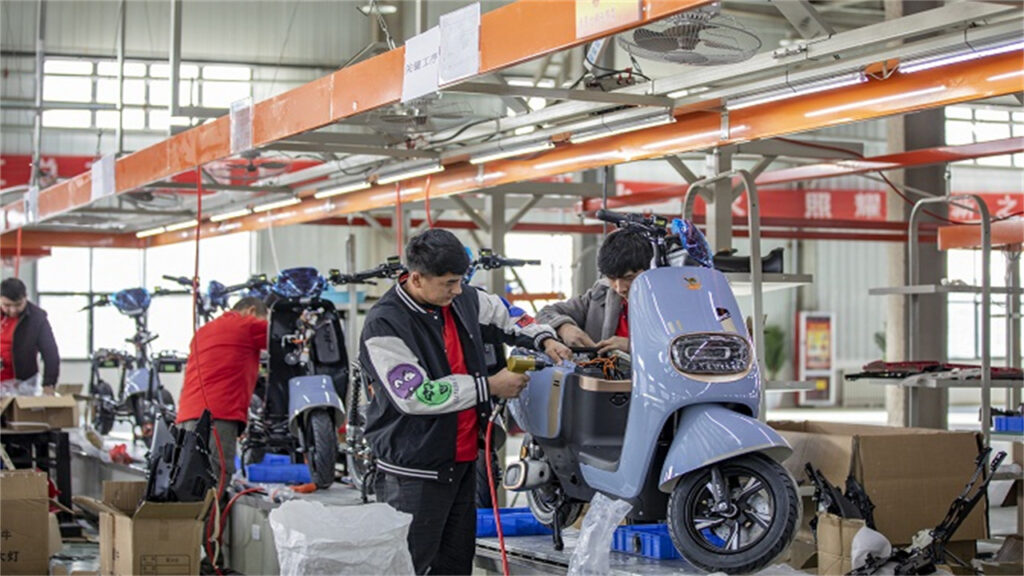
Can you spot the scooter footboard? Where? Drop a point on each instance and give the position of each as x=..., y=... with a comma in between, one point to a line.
x=307, y=392
x=712, y=433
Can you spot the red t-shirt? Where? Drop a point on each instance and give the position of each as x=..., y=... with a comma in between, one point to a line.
x=226, y=354
x=466, y=434
x=623, y=328
x=7, y=326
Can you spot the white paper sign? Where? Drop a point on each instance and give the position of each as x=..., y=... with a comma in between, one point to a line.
x=460, y=44
x=421, y=65
x=241, y=125
x=103, y=182
x=32, y=205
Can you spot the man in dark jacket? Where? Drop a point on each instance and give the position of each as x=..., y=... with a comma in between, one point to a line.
x=25, y=333
x=421, y=348
x=600, y=317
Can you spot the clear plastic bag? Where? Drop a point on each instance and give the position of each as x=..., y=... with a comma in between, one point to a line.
x=595, y=541
x=315, y=539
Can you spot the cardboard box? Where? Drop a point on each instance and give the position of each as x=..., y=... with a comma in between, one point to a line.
x=835, y=543
x=24, y=522
x=67, y=389
x=49, y=411
x=151, y=537
x=911, y=474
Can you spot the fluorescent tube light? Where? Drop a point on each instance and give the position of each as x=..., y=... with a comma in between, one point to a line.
x=936, y=61
x=407, y=172
x=276, y=204
x=613, y=128
x=342, y=189
x=182, y=225
x=150, y=232
x=229, y=215
x=511, y=151
x=793, y=91
x=875, y=101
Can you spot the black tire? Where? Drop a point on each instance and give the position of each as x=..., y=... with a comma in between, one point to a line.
x=321, y=447
x=142, y=409
x=762, y=504
x=483, y=488
x=102, y=408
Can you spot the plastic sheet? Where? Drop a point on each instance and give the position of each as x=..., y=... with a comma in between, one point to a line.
x=315, y=539
x=595, y=541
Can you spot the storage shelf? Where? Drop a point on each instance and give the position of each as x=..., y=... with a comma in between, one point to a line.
x=924, y=289
x=741, y=283
x=932, y=382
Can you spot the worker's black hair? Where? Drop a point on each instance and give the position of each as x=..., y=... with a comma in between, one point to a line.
x=624, y=251
x=13, y=289
x=436, y=252
x=251, y=302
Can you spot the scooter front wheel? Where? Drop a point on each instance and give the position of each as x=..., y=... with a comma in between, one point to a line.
x=321, y=447
x=734, y=516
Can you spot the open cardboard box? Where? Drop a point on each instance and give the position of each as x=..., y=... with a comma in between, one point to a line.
x=39, y=411
x=912, y=475
x=138, y=537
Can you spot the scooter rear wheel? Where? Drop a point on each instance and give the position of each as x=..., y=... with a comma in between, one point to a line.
x=102, y=413
x=748, y=525
x=544, y=505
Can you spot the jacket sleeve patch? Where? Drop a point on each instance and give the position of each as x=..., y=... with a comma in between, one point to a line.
x=404, y=379
x=434, y=392
x=524, y=320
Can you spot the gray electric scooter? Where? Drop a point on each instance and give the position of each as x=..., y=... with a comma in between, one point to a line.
x=676, y=433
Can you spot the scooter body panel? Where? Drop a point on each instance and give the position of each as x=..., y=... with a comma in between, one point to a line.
x=306, y=393
x=709, y=434
x=137, y=382
x=538, y=409
x=666, y=303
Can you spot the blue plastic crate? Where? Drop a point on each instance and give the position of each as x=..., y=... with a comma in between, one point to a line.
x=278, y=469
x=514, y=522
x=647, y=540
x=1009, y=423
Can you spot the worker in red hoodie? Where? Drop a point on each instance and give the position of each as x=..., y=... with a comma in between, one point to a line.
x=220, y=376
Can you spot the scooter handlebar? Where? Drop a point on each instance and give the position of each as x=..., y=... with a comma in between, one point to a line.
x=182, y=280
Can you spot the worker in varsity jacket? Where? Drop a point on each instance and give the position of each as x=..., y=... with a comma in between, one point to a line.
x=422, y=350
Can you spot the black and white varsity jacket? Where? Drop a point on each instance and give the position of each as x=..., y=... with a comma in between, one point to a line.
x=412, y=418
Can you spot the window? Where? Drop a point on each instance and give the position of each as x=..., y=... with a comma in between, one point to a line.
x=74, y=67
x=222, y=94
x=964, y=310
x=67, y=118
x=967, y=125
x=70, y=324
x=554, y=273
x=67, y=89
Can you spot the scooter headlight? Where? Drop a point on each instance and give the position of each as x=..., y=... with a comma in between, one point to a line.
x=710, y=354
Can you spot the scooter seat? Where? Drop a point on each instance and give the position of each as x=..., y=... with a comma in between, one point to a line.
x=770, y=264
x=591, y=384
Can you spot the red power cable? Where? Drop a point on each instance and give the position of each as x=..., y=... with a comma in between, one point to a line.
x=494, y=494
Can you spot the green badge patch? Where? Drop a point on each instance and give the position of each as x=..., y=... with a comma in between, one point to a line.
x=434, y=392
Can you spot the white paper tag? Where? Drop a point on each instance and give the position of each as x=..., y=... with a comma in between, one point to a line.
x=241, y=125
x=103, y=177
x=32, y=205
x=421, y=65
x=460, y=44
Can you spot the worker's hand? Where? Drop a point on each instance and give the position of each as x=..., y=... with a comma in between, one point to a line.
x=574, y=336
x=556, y=350
x=49, y=391
x=507, y=384
x=613, y=343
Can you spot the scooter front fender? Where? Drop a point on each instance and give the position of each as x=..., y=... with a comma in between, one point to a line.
x=710, y=433
x=308, y=392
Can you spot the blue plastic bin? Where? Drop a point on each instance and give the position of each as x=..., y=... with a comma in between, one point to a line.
x=647, y=540
x=514, y=522
x=1009, y=423
x=278, y=469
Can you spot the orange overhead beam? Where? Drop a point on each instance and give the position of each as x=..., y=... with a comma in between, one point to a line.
x=1004, y=233
x=369, y=84
x=38, y=239
x=909, y=159
x=901, y=93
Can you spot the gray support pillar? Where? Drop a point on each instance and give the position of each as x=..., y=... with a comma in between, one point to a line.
x=719, y=206
x=496, y=211
x=37, y=129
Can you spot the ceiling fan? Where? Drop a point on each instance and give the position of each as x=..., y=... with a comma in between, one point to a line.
x=249, y=167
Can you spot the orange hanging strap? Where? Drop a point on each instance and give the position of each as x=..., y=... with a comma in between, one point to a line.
x=426, y=203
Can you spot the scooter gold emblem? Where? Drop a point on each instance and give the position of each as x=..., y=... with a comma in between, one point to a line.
x=692, y=283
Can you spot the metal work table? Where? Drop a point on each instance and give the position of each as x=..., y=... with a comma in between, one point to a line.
x=536, y=555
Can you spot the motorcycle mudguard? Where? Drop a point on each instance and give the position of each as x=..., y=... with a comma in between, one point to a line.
x=308, y=392
x=709, y=433
x=138, y=382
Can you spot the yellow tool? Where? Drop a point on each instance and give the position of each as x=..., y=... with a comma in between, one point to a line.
x=523, y=364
